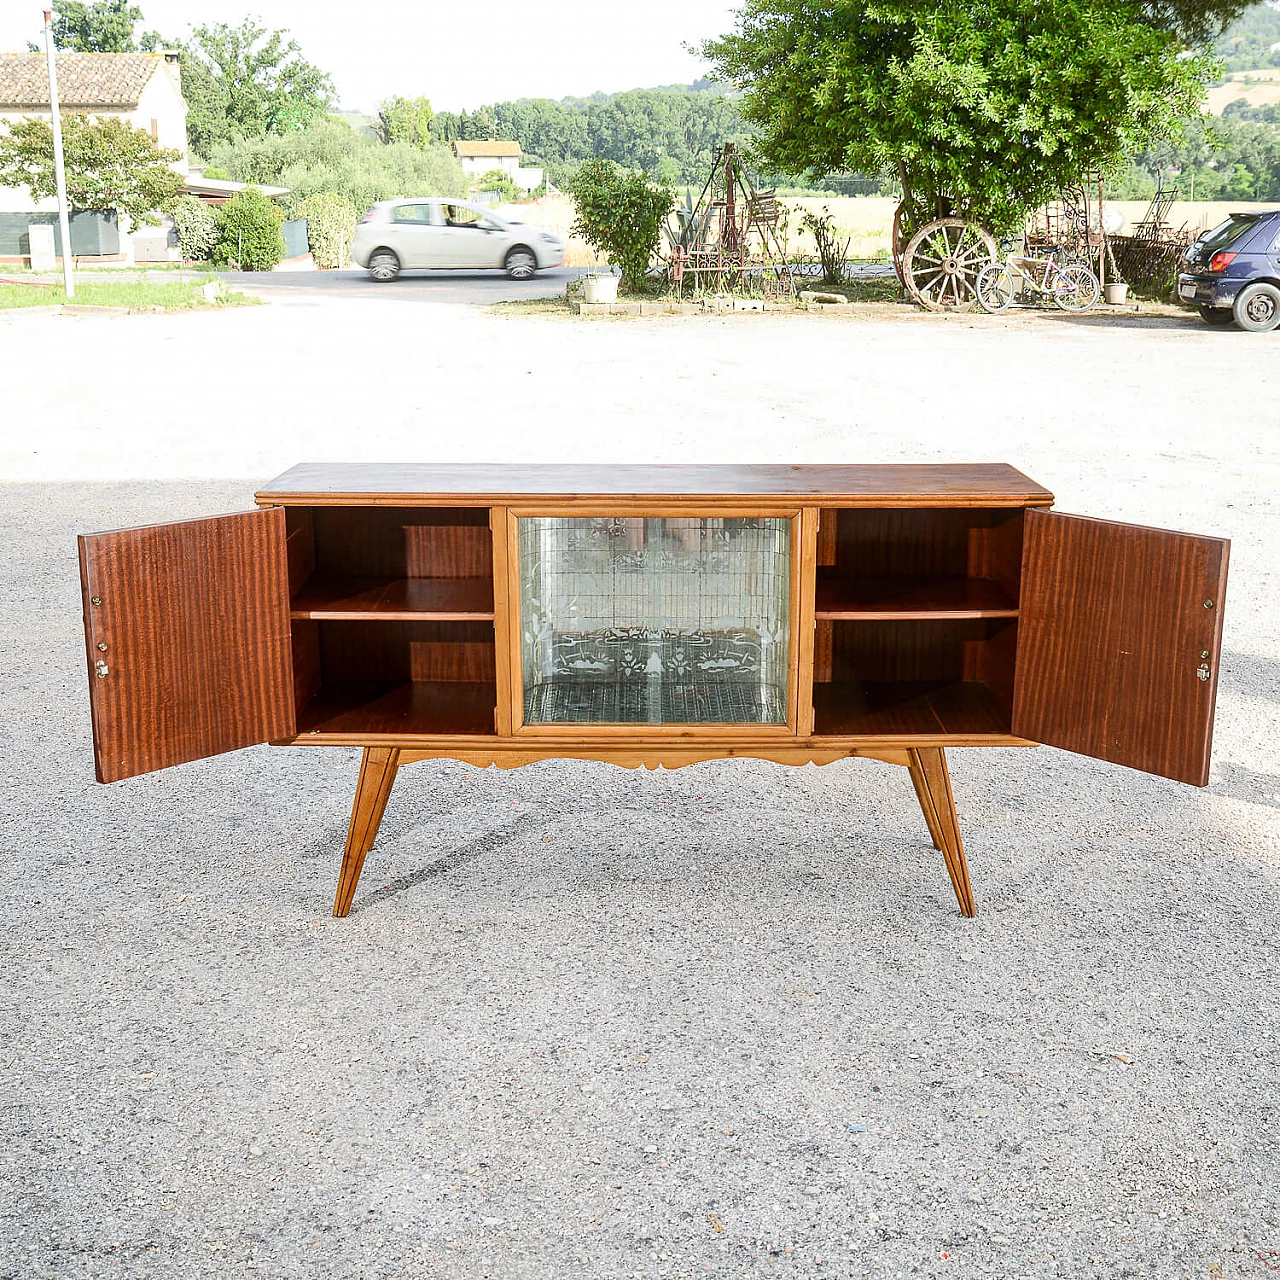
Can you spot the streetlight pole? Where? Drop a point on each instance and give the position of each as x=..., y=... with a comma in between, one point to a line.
x=59, y=169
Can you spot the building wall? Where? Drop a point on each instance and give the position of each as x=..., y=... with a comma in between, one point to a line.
x=160, y=102
x=477, y=166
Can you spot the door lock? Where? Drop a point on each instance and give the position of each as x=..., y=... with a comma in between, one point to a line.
x=1202, y=671
x=101, y=669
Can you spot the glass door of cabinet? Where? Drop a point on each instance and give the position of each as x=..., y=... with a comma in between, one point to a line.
x=655, y=620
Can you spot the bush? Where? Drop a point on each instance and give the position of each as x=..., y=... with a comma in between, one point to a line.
x=832, y=250
x=249, y=232
x=620, y=214
x=331, y=224
x=500, y=184
x=197, y=228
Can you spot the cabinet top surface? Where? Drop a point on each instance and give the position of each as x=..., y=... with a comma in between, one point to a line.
x=969, y=484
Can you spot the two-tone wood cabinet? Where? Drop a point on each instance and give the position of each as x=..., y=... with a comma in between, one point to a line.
x=653, y=615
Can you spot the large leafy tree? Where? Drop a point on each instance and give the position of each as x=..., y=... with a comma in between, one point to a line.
x=109, y=165
x=98, y=26
x=246, y=81
x=1195, y=21
x=984, y=108
x=405, y=120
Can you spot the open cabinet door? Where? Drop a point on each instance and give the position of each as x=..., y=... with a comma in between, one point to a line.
x=187, y=627
x=1119, y=629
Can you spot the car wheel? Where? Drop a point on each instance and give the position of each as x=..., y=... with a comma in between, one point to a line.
x=1216, y=315
x=521, y=263
x=1257, y=308
x=384, y=266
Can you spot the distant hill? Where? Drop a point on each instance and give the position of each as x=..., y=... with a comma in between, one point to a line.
x=1252, y=41
x=701, y=87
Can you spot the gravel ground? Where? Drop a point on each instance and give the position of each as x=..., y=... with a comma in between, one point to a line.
x=582, y=1021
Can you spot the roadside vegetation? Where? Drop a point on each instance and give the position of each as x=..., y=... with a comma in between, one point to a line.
x=134, y=295
x=929, y=96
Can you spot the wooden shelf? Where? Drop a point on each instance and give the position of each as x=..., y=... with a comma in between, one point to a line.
x=873, y=599
x=403, y=599
x=850, y=708
x=419, y=706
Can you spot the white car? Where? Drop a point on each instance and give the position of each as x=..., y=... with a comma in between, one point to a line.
x=436, y=232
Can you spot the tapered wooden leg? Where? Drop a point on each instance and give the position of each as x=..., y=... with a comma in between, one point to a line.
x=932, y=781
x=378, y=768
x=926, y=804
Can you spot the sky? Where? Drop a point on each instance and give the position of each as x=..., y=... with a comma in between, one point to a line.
x=458, y=53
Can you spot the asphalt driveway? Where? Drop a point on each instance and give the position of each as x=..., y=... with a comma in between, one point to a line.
x=483, y=288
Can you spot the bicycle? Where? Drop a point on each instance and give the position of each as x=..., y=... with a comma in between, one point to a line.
x=1073, y=287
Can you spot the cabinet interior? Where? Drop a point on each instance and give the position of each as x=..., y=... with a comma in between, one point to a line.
x=916, y=620
x=392, y=615
x=391, y=612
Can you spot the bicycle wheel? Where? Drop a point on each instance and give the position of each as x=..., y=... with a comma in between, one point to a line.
x=994, y=287
x=1076, y=288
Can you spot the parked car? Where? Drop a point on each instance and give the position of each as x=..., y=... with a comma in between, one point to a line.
x=1233, y=272
x=398, y=235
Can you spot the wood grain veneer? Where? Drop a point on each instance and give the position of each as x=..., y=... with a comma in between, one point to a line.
x=924, y=597
x=907, y=708
x=882, y=484
x=192, y=629
x=1116, y=622
x=402, y=542
x=408, y=599
x=365, y=709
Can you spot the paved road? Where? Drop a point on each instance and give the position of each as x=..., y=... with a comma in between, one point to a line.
x=482, y=288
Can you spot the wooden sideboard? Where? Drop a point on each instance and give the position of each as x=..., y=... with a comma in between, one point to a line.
x=653, y=615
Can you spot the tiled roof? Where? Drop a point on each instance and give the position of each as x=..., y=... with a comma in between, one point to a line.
x=84, y=79
x=476, y=150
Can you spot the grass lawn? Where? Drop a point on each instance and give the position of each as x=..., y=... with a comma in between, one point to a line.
x=134, y=294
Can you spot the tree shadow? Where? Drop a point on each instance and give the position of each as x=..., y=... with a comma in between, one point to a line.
x=1107, y=319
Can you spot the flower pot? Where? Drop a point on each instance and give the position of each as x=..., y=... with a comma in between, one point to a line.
x=1116, y=293
x=600, y=289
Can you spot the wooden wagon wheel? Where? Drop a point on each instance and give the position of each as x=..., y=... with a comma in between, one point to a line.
x=941, y=263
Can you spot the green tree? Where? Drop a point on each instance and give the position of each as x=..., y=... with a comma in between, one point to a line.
x=249, y=236
x=985, y=109
x=620, y=214
x=100, y=26
x=498, y=181
x=405, y=120
x=109, y=165
x=1192, y=21
x=247, y=81
x=328, y=155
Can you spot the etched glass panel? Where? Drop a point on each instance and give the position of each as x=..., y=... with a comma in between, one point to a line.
x=655, y=620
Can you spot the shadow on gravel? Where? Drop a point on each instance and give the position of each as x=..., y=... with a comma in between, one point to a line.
x=450, y=861
x=1250, y=674
x=1130, y=320
x=1246, y=784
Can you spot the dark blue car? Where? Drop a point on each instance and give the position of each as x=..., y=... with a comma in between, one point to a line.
x=1233, y=272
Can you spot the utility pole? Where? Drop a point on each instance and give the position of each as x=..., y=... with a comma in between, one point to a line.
x=59, y=169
